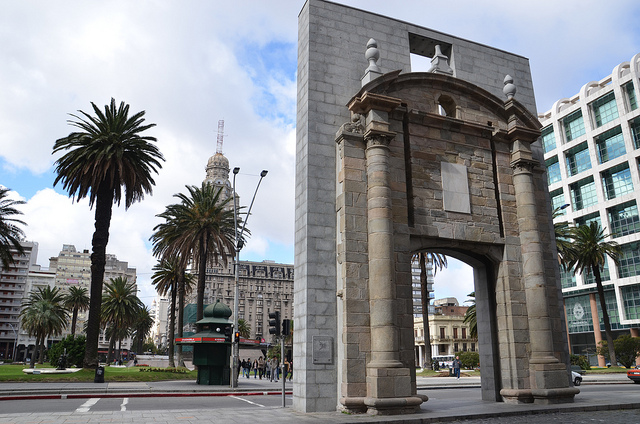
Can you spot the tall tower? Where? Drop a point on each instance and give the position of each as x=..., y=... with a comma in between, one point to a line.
x=218, y=166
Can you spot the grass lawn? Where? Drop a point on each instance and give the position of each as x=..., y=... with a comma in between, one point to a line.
x=14, y=373
x=445, y=373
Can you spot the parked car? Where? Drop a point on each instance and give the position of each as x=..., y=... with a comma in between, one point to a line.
x=577, y=378
x=634, y=374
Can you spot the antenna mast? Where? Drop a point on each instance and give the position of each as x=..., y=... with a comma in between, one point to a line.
x=220, y=136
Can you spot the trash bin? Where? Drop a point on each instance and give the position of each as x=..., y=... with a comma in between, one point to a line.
x=99, y=378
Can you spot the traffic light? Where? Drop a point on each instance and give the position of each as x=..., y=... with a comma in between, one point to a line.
x=237, y=339
x=286, y=327
x=227, y=334
x=274, y=323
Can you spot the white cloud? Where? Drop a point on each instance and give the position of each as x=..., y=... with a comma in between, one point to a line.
x=456, y=280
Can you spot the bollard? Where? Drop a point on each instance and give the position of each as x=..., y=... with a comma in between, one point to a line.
x=99, y=378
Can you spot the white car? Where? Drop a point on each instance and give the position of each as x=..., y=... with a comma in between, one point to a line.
x=577, y=378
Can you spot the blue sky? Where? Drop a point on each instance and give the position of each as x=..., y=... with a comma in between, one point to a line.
x=189, y=64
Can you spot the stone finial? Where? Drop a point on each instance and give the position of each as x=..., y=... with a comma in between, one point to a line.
x=372, y=54
x=509, y=88
x=440, y=63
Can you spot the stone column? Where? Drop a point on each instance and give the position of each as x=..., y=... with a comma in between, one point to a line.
x=548, y=376
x=597, y=333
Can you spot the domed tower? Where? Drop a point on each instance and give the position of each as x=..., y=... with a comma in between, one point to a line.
x=218, y=167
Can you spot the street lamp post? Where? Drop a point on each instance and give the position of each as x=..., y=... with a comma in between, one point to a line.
x=238, y=246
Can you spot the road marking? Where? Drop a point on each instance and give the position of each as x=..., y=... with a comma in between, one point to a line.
x=123, y=407
x=248, y=401
x=87, y=405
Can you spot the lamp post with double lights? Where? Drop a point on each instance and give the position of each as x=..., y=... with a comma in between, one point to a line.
x=238, y=246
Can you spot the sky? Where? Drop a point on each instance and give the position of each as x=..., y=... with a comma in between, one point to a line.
x=191, y=63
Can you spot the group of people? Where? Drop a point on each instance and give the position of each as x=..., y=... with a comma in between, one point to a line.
x=269, y=369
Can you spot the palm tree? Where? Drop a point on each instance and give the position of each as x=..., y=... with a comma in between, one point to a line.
x=185, y=287
x=200, y=228
x=44, y=315
x=165, y=278
x=120, y=308
x=588, y=254
x=10, y=234
x=76, y=300
x=470, y=316
x=244, y=328
x=107, y=154
x=141, y=327
x=439, y=261
x=563, y=233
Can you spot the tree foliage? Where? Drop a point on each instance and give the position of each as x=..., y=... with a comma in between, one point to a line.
x=627, y=349
x=470, y=316
x=74, y=347
x=469, y=360
x=10, y=233
x=76, y=300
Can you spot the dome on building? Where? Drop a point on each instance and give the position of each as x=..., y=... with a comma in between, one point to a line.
x=218, y=161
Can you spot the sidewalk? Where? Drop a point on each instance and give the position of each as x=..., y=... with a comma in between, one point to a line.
x=439, y=408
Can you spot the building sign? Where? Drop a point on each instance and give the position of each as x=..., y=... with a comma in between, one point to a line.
x=200, y=340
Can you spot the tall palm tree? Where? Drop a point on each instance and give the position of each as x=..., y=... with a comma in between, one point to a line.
x=44, y=315
x=244, y=328
x=588, y=254
x=563, y=233
x=10, y=233
x=76, y=300
x=185, y=287
x=141, y=327
x=438, y=261
x=108, y=155
x=200, y=229
x=120, y=308
x=470, y=316
x=165, y=278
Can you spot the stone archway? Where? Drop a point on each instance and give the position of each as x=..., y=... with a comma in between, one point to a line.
x=409, y=176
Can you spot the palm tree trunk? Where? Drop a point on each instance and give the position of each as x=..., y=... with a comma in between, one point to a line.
x=425, y=310
x=202, y=269
x=605, y=315
x=180, y=323
x=112, y=346
x=172, y=325
x=41, y=353
x=74, y=321
x=104, y=203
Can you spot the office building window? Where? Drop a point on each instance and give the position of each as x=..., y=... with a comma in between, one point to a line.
x=553, y=170
x=588, y=278
x=605, y=109
x=616, y=181
x=578, y=159
x=588, y=219
x=557, y=200
x=573, y=125
x=548, y=139
x=610, y=145
x=631, y=96
x=583, y=194
x=631, y=300
x=624, y=219
x=635, y=132
x=567, y=278
x=629, y=260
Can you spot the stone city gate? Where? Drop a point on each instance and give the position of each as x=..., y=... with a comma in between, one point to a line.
x=427, y=161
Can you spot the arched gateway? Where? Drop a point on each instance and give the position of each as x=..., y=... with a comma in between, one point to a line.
x=428, y=161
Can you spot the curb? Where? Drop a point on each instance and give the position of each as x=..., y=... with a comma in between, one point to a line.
x=138, y=395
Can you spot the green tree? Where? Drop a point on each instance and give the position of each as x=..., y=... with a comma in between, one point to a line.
x=469, y=360
x=627, y=349
x=74, y=347
x=564, y=236
x=10, y=233
x=76, y=300
x=185, y=287
x=166, y=275
x=44, y=315
x=438, y=261
x=470, y=316
x=108, y=155
x=120, y=307
x=588, y=253
x=244, y=328
x=141, y=327
x=200, y=229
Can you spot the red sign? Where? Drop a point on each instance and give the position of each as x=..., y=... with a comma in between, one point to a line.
x=200, y=339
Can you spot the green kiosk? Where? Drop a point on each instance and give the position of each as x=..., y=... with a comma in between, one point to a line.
x=212, y=345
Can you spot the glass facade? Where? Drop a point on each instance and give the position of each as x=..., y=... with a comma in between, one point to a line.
x=583, y=194
x=631, y=96
x=578, y=159
x=617, y=181
x=567, y=278
x=573, y=125
x=553, y=170
x=610, y=145
x=587, y=219
x=635, y=132
x=548, y=139
x=631, y=301
x=557, y=200
x=624, y=219
x=579, y=318
x=629, y=260
x=605, y=109
x=605, y=275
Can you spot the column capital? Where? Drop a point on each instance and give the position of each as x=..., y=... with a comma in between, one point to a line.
x=377, y=138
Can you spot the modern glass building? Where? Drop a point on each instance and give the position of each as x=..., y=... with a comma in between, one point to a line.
x=592, y=153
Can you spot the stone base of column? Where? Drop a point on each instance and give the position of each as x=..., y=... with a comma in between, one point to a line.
x=353, y=405
x=390, y=392
x=550, y=382
x=516, y=396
